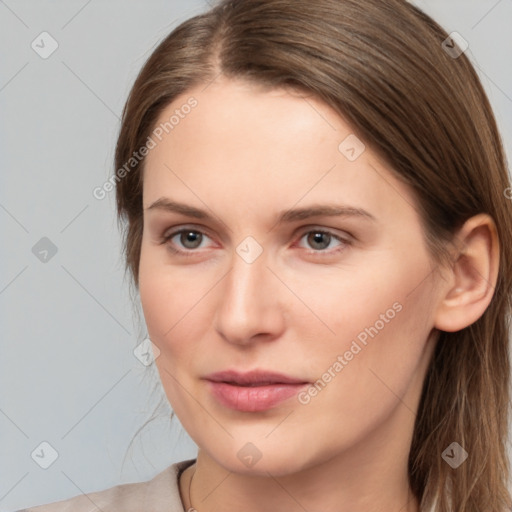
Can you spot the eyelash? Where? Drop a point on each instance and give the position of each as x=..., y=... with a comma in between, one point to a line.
x=191, y=252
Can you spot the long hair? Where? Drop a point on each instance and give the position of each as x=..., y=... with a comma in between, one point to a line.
x=400, y=82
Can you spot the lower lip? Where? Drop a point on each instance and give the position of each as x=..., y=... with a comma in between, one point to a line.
x=253, y=398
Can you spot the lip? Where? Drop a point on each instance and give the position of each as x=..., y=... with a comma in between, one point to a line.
x=253, y=391
x=254, y=377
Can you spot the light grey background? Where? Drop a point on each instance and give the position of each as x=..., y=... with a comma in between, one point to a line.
x=68, y=374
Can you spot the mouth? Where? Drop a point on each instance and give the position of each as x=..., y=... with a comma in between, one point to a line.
x=253, y=391
x=253, y=378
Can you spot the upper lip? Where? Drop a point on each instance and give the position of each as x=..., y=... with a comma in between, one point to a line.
x=255, y=377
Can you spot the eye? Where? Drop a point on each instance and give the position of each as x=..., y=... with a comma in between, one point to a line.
x=320, y=240
x=189, y=238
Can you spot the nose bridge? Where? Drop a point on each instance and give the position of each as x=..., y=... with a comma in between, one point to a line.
x=246, y=280
x=249, y=300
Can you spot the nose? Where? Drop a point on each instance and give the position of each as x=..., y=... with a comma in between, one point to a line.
x=249, y=307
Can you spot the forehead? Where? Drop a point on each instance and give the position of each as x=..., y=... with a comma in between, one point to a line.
x=244, y=111
x=262, y=146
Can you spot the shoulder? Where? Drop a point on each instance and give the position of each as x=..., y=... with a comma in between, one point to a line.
x=158, y=495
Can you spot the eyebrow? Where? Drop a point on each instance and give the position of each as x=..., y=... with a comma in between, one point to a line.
x=291, y=215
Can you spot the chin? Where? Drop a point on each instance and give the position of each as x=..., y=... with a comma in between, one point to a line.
x=262, y=459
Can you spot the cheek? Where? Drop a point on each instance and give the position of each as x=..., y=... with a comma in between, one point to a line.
x=172, y=321
x=163, y=296
x=382, y=325
x=357, y=302
x=173, y=301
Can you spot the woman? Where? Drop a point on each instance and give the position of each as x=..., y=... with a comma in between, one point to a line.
x=317, y=223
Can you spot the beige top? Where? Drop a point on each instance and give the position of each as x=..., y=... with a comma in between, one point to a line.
x=160, y=494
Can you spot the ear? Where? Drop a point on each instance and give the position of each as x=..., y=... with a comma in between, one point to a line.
x=471, y=280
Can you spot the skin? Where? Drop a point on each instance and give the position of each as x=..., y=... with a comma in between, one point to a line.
x=244, y=155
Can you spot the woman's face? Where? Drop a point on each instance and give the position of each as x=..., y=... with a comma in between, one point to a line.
x=298, y=253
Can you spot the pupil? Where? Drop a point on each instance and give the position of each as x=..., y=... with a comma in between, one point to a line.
x=192, y=236
x=317, y=239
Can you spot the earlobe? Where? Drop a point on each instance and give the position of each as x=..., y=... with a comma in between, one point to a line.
x=472, y=277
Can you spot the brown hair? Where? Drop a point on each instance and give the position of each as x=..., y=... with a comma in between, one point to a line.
x=382, y=66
